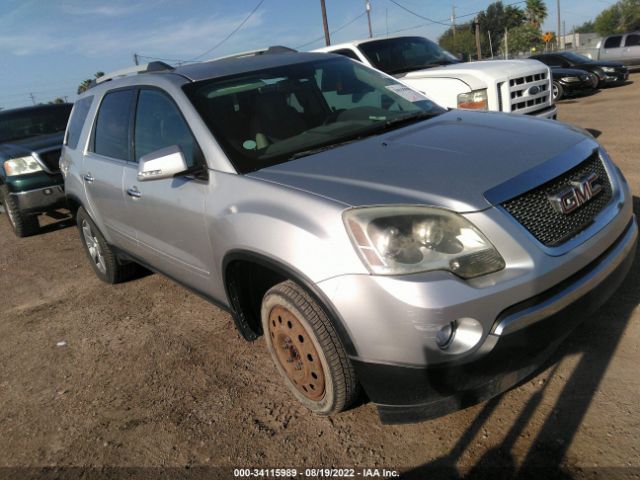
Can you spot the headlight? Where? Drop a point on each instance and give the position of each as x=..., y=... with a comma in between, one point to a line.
x=476, y=100
x=572, y=79
x=394, y=240
x=609, y=69
x=21, y=165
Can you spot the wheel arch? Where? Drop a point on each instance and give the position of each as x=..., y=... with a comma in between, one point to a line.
x=245, y=298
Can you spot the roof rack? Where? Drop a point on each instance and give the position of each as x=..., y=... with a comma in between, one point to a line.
x=263, y=51
x=147, y=67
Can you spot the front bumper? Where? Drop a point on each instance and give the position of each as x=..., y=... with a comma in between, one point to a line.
x=551, y=113
x=40, y=199
x=616, y=77
x=522, y=338
x=573, y=88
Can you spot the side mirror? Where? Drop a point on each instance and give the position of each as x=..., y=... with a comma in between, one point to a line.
x=164, y=163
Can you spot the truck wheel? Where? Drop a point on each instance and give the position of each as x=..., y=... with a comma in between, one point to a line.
x=22, y=224
x=557, y=91
x=103, y=260
x=305, y=347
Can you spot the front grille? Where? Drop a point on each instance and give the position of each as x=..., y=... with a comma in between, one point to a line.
x=527, y=93
x=51, y=159
x=535, y=212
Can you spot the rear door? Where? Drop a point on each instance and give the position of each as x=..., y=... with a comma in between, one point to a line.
x=167, y=214
x=631, y=51
x=612, y=48
x=103, y=168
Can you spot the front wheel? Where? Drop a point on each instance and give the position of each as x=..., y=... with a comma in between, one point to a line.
x=306, y=350
x=21, y=223
x=557, y=91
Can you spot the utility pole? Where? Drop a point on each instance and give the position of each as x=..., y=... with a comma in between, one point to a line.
x=564, y=35
x=558, y=31
x=387, y=20
x=325, y=24
x=135, y=59
x=367, y=6
x=33, y=99
x=478, y=49
x=453, y=18
x=506, y=44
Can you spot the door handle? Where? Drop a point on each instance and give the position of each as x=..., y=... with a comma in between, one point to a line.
x=134, y=192
x=88, y=178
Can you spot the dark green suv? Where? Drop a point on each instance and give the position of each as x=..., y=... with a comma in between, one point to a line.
x=30, y=179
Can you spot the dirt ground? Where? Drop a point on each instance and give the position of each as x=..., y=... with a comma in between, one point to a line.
x=153, y=378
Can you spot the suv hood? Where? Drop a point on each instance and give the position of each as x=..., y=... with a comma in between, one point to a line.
x=447, y=161
x=490, y=70
x=26, y=146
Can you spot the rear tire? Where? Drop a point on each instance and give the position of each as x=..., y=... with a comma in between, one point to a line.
x=22, y=224
x=307, y=351
x=557, y=91
x=104, y=261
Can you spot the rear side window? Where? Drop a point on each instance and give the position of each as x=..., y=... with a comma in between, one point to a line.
x=160, y=124
x=613, y=42
x=111, y=137
x=632, y=40
x=76, y=122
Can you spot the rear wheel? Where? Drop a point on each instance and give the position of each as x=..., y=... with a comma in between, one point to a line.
x=21, y=223
x=557, y=91
x=306, y=350
x=104, y=261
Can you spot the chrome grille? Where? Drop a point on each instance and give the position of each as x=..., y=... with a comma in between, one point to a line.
x=534, y=211
x=526, y=94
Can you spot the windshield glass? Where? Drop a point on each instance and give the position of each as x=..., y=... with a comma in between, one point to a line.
x=20, y=124
x=271, y=116
x=405, y=54
x=576, y=57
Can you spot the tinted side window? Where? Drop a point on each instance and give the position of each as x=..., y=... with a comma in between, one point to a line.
x=76, y=122
x=613, y=42
x=347, y=52
x=632, y=40
x=111, y=137
x=159, y=124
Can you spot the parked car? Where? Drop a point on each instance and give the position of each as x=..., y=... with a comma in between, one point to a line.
x=499, y=85
x=30, y=179
x=607, y=73
x=569, y=81
x=624, y=47
x=433, y=258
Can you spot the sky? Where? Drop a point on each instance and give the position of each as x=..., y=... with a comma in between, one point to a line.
x=47, y=47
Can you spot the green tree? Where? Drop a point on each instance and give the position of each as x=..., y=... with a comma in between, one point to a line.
x=84, y=86
x=494, y=21
x=462, y=44
x=57, y=100
x=536, y=12
x=586, y=27
x=524, y=39
x=608, y=20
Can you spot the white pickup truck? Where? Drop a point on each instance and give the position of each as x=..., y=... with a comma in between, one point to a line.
x=516, y=86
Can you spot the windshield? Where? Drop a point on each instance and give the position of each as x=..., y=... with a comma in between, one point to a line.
x=271, y=116
x=576, y=57
x=19, y=124
x=405, y=54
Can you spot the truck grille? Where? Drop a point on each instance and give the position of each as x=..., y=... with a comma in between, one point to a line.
x=534, y=211
x=50, y=160
x=525, y=94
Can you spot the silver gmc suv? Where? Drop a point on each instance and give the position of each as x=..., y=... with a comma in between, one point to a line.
x=429, y=258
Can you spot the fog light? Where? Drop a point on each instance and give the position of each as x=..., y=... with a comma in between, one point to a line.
x=47, y=191
x=445, y=335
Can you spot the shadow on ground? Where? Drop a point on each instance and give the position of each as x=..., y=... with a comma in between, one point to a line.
x=596, y=341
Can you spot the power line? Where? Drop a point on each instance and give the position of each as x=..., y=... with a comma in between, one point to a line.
x=418, y=15
x=333, y=31
x=231, y=34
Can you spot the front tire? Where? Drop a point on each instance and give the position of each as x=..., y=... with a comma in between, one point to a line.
x=306, y=350
x=104, y=261
x=22, y=224
x=557, y=91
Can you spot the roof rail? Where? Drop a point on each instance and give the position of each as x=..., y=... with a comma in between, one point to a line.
x=147, y=67
x=262, y=51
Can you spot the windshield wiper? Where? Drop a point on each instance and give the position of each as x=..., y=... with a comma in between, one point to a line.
x=399, y=121
x=313, y=151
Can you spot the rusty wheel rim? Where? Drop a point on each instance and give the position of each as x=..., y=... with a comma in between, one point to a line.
x=296, y=353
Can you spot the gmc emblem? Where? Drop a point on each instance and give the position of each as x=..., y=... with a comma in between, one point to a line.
x=578, y=193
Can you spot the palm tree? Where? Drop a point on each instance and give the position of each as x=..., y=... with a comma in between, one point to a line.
x=536, y=11
x=84, y=86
